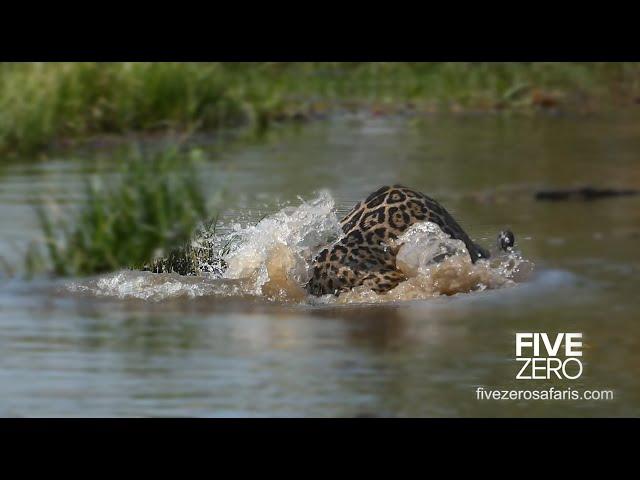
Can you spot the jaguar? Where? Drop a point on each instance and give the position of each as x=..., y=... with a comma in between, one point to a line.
x=365, y=254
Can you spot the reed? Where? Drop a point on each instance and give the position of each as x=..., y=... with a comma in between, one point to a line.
x=152, y=208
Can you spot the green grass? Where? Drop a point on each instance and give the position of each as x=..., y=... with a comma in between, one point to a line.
x=44, y=103
x=147, y=218
x=153, y=208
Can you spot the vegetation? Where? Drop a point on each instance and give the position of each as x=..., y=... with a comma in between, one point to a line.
x=152, y=208
x=45, y=103
x=146, y=219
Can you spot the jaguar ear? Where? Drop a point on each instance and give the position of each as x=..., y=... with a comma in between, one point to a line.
x=506, y=240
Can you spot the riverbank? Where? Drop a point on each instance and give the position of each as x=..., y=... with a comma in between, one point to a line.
x=48, y=104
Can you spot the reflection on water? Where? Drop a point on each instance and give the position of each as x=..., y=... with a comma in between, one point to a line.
x=74, y=353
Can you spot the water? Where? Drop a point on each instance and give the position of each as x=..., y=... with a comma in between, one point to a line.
x=138, y=344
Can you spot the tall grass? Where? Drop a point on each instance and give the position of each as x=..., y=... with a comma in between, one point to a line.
x=44, y=102
x=152, y=208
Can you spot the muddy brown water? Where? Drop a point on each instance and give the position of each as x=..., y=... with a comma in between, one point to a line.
x=70, y=353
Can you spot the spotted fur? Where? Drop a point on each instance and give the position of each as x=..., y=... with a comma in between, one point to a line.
x=362, y=256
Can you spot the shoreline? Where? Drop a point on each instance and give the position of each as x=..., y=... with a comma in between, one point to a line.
x=112, y=141
x=45, y=105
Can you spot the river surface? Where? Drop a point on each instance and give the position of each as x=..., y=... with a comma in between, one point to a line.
x=138, y=344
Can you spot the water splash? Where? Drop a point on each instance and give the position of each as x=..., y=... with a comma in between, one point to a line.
x=277, y=251
x=128, y=284
x=436, y=264
x=272, y=260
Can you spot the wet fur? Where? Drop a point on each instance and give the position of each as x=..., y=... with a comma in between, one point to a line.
x=362, y=256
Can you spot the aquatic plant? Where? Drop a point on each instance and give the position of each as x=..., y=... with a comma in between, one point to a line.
x=46, y=103
x=153, y=207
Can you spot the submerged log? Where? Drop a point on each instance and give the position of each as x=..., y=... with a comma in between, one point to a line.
x=583, y=193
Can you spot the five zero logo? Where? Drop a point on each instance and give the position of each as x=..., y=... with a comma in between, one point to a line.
x=541, y=356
